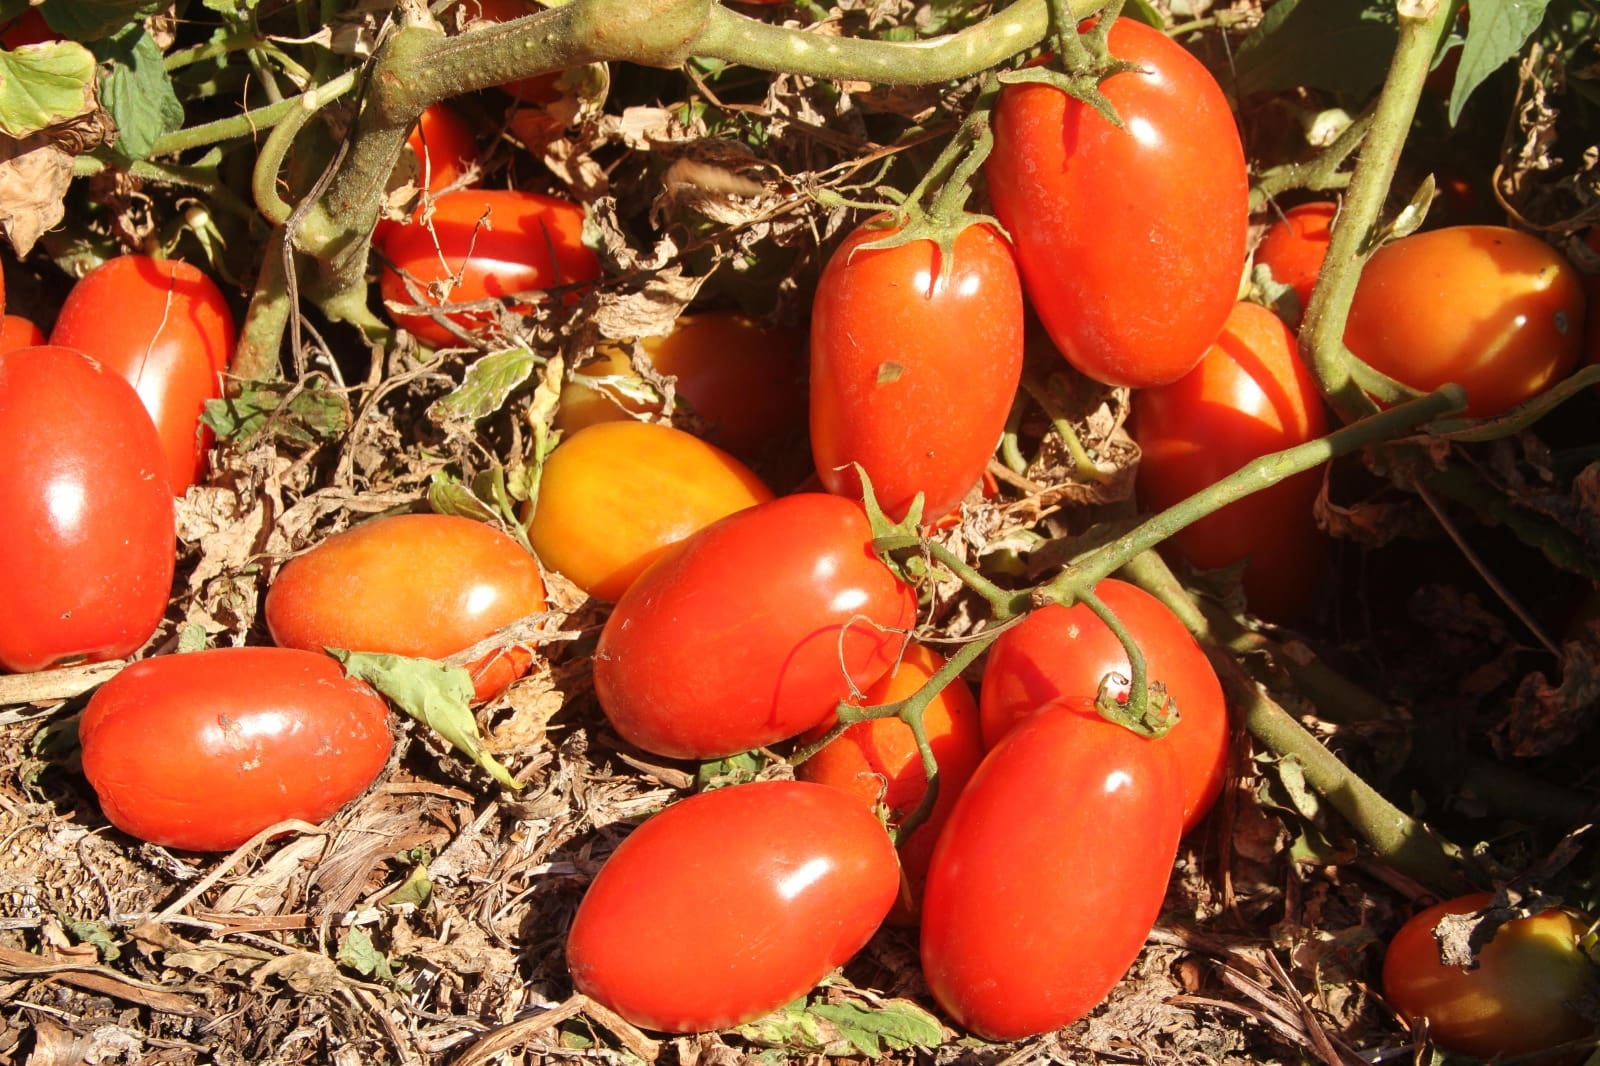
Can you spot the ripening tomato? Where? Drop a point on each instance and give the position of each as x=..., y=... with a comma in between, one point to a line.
x=1131, y=242
x=539, y=89
x=730, y=904
x=1498, y=312
x=423, y=585
x=165, y=327
x=615, y=496
x=18, y=332
x=914, y=365
x=1063, y=653
x=1251, y=395
x=1050, y=872
x=1296, y=244
x=502, y=243
x=203, y=750
x=87, y=547
x=752, y=630
x=1524, y=996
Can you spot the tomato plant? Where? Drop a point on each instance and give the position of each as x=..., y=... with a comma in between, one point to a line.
x=919, y=417
x=1296, y=244
x=730, y=904
x=1494, y=310
x=1049, y=873
x=88, y=547
x=1250, y=395
x=539, y=89
x=203, y=750
x=617, y=495
x=750, y=631
x=1524, y=995
x=18, y=332
x=165, y=327
x=1131, y=242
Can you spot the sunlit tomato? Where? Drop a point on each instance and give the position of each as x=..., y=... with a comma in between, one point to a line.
x=1249, y=396
x=18, y=332
x=913, y=370
x=539, y=89
x=165, y=327
x=878, y=762
x=615, y=496
x=502, y=243
x=202, y=751
x=751, y=631
x=1524, y=996
x=1050, y=873
x=1498, y=312
x=1296, y=244
x=730, y=904
x=1131, y=242
x=87, y=546
x=444, y=145
x=1059, y=652
x=423, y=585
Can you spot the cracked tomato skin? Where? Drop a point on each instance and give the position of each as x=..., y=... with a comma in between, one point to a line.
x=1131, y=242
x=742, y=635
x=201, y=751
x=731, y=903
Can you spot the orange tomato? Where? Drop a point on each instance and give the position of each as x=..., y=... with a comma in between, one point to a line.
x=18, y=332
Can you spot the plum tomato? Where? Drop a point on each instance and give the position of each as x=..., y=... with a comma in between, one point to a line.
x=444, y=146
x=1059, y=652
x=751, y=630
x=165, y=327
x=1250, y=395
x=1296, y=244
x=87, y=548
x=203, y=750
x=18, y=332
x=730, y=904
x=923, y=415
x=1523, y=996
x=1496, y=311
x=615, y=496
x=1049, y=873
x=423, y=585
x=539, y=89
x=1131, y=241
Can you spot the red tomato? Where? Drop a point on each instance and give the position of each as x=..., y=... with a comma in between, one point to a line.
x=204, y=750
x=88, y=546
x=1296, y=244
x=615, y=496
x=539, y=89
x=1063, y=653
x=165, y=327
x=912, y=375
x=1050, y=873
x=27, y=28
x=1249, y=396
x=18, y=332
x=1522, y=998
x=730, y=904
x=1131, y=242
x=444, y=145
x=1498, y=312
x=423, y=585
x=501, y=242
x=751, y=631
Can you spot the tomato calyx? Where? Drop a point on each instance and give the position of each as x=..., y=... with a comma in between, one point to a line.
x=1088, y=60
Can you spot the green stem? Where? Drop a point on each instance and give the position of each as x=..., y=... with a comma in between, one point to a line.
x=1001, y=601
x=267, y=317
x=1084, y=469
x=218, y=194
x=1137, y=709
x=216, y=49
x=264, y=180
x=1323, y=172
x=249, y=123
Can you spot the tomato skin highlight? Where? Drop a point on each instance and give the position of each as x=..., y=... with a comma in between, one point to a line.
x=88, y=545
x=913, y=374
x=1296, y=244
x=201, y=751
x=1131, y=242
x=730, y=904
x=769, y=588
x=1050, y=873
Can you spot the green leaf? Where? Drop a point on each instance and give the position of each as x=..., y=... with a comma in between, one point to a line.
x=1496, y=32
x=98, y=936
x=448, y=496
x=488, y=384
x=1145, y=12
x=360, y=954
x=1342, y=46
x=847, y=1029
x=438, y=696
x=731, y=770
x=303, y=416
x=417, y=888
x=90, y=20
x=44, y=86
x=138, y=92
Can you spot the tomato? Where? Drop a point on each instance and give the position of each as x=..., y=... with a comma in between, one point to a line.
x=423, y=585
x=878, y=762
x=1050, y=872
x=615, y=496
x=501, y=242
x=444, y=146
x=913, y=374
x=750, y=631
x=1524, y=995
x=166, y=327
x=88, y=546
x=1498, y=312
x=18, y=332
x=27, y=28
x=1063, y=653
x=1131, y=242
x=1295, y=245
x=202, y=751
x=730, y=904
x=539, y=89
x=1249, y=396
